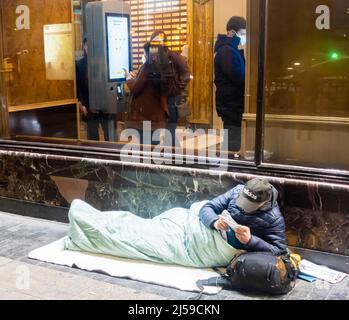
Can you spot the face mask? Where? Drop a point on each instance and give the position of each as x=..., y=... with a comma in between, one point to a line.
x=144, y=59
x=243, y=39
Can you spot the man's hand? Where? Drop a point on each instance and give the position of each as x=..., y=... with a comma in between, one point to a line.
x=220, y=225
x=243, y=234
x=83, y=110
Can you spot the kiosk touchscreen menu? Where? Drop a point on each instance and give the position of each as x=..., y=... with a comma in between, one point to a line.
x=118, y=46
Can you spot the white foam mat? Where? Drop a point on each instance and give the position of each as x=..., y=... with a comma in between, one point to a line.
x=182, y=278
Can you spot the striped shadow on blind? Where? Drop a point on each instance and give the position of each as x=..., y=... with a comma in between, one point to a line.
x=149, y=15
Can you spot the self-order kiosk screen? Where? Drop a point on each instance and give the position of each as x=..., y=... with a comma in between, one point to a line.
x=118, y=45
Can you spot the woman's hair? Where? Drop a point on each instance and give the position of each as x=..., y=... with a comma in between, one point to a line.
x=146, y=48
x=152, y=77
x=158, y=33
x=158, y=66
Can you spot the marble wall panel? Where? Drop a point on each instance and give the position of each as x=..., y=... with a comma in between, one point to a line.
x=316, y=214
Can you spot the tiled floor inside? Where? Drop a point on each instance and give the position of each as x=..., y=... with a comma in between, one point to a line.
x=22, y=278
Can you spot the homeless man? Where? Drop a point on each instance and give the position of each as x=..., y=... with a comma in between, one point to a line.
x=254, y=207
x=177, y=236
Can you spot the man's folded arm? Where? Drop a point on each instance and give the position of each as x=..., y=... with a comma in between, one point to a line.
x=275, y=241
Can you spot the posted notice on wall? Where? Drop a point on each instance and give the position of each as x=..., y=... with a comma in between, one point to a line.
x=59, y=51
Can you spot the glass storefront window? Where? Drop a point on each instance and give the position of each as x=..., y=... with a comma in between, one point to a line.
x=38, y=69
x=41, y=52
x=306, y=89
x=307, y=83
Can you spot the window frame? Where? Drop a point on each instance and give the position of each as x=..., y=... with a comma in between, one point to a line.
x=330, y=175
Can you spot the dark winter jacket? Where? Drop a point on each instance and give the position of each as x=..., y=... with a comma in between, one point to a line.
x=82, y=82
x=229, y=78
x=267, y=225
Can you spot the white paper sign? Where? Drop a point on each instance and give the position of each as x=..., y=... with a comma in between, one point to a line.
x=321, y=272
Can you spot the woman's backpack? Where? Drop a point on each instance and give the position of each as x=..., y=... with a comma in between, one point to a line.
x=259, y=272
x=162, y=72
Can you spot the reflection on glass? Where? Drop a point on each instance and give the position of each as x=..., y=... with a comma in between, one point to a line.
x=40, y=81
x=159, y=6
x=38, y=77
x=307, y=86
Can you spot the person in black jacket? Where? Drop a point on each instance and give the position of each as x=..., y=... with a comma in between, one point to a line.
x=254, y=207
x=93, y=120
x=230, y=80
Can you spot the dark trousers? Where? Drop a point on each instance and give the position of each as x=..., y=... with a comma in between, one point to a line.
x=93, y=122
x=172, y=123
x=233, y=133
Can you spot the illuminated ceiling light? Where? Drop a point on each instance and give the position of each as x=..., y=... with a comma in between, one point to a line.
x=297, y=63
x=290, y=68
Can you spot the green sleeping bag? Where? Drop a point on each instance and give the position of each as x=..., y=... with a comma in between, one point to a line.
x=175, y=237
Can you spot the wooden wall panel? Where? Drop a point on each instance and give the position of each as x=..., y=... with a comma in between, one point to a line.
x=29, y=84
x=3, y=95
x=201, y=60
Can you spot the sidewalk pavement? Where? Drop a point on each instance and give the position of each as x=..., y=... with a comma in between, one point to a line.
x=25, y=279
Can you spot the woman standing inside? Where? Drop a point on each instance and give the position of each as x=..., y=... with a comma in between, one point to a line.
x=148, y=102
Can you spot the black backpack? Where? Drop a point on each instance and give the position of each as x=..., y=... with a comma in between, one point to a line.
x=258, y=272
x=162, y=71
